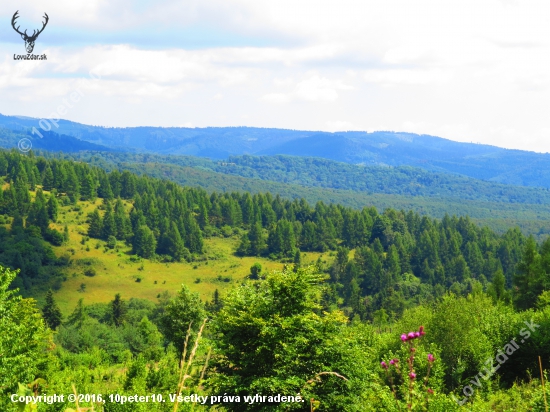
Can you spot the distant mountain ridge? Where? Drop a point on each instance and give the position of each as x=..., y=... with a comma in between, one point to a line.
x=378, y=148
x=50, y=141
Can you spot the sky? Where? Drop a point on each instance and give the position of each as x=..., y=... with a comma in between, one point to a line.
x=471, y=71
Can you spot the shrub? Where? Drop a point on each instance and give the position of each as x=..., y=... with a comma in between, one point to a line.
x=111, y=242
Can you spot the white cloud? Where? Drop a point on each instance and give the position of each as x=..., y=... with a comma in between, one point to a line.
x=341, y=126
x=405, y=76
x=469, y=70
x=314, y=88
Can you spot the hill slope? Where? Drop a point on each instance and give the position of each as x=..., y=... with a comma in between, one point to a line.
x=378, y=148
x=498, y=213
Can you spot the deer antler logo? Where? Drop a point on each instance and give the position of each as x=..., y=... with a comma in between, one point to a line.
x=29, y=40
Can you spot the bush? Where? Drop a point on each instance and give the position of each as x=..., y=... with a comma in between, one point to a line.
x=90, y=272
x=54, y=237
x=111, y=242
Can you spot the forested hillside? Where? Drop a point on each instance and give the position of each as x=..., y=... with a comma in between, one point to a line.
x=316, y=172
x=379, y=148
x=464, y=291
x=499, y=213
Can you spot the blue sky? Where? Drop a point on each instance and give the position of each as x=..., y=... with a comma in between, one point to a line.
x=475, y=71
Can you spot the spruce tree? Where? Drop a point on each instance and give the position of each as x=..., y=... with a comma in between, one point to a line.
x=53, y=207
x=66, y=235
x=122, y=222
x=193, y=234
x=297, y=260
x=79, y=315
x=109, y=225
x=176, y=247
x=52, y=313
x=22, y=196
x=38, y=216
x=145, y=243
x=59, y=176
x=72, y=184
x=47, y=178
x=114, y=181
x=127, y=185
x=118, y=310
x=256, y=239
x=95, y=228
x=244, y=247
x=88, y=190
x=104, y=190
x=17, y=221
x=529, y=277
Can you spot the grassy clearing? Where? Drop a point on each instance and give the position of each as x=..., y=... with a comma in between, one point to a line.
x=117, y=272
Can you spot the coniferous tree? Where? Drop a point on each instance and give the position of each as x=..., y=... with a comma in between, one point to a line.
x=104, y=190
x=244, y=247
x=79, y=315
x=529, y=279
x=53, y=207
x=118, y=310
x=22, y=196
x=176, y=246
x=52, y=313
x=47, y=178
x=59, y=176
x=95, y=228
x=114, y=180
x=202, y=217
x=392, y=263
x=122, y=222
x=17, y=221
x=72, y=184
x=297, y=260
x=256, y=239
x=109, y=225
x=38, y=216
x=216, y=304
x=145, y=243
x=193, y=234
x=66, y=235
x=497, y=289
x=127, y=185
x=88, y=190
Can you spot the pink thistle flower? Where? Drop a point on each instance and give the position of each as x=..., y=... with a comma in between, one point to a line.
x=416, y=334
x=412, y=375
x=384, y=365
x=404, y=337
x=411, y=335
x=431, y=358
x=421, y=329
x=430, y=391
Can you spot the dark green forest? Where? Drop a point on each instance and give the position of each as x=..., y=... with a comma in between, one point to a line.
x=497, y=212
x=331, y=334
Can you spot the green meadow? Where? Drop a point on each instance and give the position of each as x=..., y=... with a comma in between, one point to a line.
x=118, y=271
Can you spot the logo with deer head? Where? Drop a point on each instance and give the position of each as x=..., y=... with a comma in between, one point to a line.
x=29, y=40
